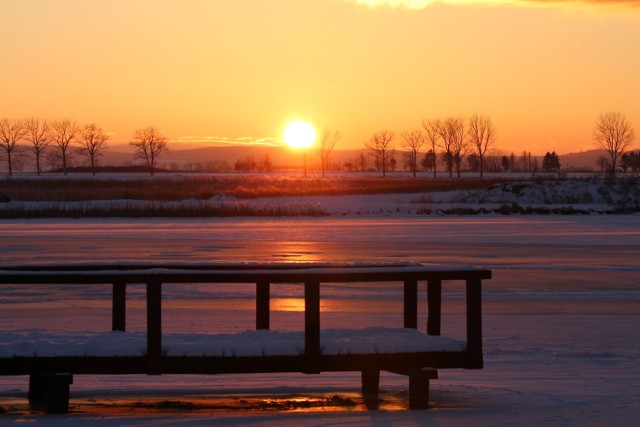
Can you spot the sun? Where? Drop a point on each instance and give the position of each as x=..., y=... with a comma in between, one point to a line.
x=299, y=134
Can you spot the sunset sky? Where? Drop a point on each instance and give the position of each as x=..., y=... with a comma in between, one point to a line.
x=239, y=70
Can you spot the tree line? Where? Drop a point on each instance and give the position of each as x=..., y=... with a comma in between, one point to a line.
x=450, y=141
x=58, y=138
x=456, y=137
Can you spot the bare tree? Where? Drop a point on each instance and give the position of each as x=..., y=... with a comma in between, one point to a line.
x=362, y=162
x=93, y=142
x=38, y=136
x=325, y=145
x=63, y=133
x=613, y=133
x=413, y=141
x=603, y=162
x=452, y=132
x=149, y=144
x=528, y=161
x=444, y=130
x=380, y=144
x=481, y=135
x=432, y=129
x=11, y=132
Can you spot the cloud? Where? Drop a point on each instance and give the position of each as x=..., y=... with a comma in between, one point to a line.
x=223, y=140
x=422, y=4
x=405, y=4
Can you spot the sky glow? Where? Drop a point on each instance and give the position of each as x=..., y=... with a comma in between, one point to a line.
x=234, y=72
x=421, y=4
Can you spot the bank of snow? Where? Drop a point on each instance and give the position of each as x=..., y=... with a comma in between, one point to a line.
x=534, y=197
x=537, y=197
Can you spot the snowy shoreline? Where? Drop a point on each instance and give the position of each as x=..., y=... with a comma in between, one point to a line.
x=568, y=197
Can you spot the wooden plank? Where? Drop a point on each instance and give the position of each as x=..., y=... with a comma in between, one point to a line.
x=434, y=302
x=154, y=326
x=411, y=304
x=324, y=275
x=399, y=363
x=262, y=305
x=119, y=306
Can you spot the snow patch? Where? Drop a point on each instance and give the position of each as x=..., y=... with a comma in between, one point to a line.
x=244, y=344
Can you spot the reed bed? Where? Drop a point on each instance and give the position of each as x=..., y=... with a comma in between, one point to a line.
x=155, y=209
x=174, y=188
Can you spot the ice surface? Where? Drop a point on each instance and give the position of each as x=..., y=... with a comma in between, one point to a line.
x=560, y=314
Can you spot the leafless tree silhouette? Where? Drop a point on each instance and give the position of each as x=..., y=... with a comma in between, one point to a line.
x=38, y=136
x=413, y=141
x=380, y=144
x=482, y=135
x=149, y=144
x=433, y=133
x=11, y=132
x=325, y=145
x=63, y=133
x=93, y=142
x=452, y=132
x=613, y=133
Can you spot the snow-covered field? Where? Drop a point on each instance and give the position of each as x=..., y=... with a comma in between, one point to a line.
x=586, y=195
x=560, y=315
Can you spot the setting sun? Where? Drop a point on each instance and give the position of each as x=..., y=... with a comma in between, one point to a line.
x=299, y=134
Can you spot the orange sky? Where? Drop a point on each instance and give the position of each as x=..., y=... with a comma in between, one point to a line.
x=214, y=69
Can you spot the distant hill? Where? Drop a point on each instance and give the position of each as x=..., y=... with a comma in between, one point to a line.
x=279, y=156
x=582, y=160
x=284, y=156
x=187, y=156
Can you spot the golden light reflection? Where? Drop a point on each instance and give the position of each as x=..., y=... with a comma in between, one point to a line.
x=291, y=304
x=296, y=305
x=297, y=252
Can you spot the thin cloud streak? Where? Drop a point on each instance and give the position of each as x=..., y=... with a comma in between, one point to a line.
x=423, y=4
x=223, y=140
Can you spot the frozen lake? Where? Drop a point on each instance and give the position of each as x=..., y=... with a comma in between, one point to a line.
x=560, y=312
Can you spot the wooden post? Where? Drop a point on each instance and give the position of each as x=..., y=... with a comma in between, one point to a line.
x=411, y=304
x=418, y=392
x=434, y=302
x=312, y=325
x=419, y=388
x=119, y=306
x=50, y=392
x=262, y=305
x=154, y=326
x=474, y=323
x=58, y=395
x=371, y=382
x=38, y=390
